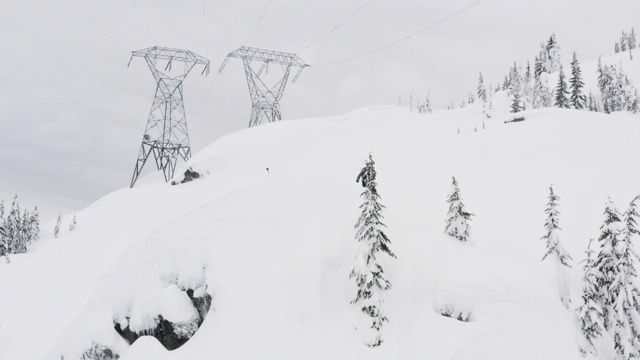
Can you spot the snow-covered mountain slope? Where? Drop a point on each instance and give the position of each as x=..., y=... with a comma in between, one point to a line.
x=277, y=246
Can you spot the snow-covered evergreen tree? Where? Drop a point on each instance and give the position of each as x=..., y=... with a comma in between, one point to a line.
x=633, y=41
x=537, y=67
x=56, y=230
x=457, y=222
x=561, y=99
x=551, y=237
x=425, y=107
x=590, y=315
x=369, y=276
x=516, y=103
x=604, y=84
x=25, y=230
x=559, y=258
x=487, y=106
x=13, y=227
x=549, y=55
x=4, y=242
x=623, y=42
x=34, y=224
x=605, y=267
x=592, y=105
x=482, y=91
x=577, y=98
x=541, y=92
x=617, y=92
x=625, y=293
x=527, y=87
x=73, y=224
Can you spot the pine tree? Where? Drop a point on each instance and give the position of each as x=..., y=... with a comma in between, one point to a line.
x=73, y=224
x=549, y=56
x=13, y=227
x=425, y=107
x=482, y=91
x=25, y=231
x=410, y=102
x=626, y=306
x=632, y=39
x=577, y=99
x=616, y=48
x=527, y=87
x=487, y=106
x=591, y=105
x=367, y=272
x=458, y=217
x=34, y=224
x=561, y=100
x=604, y=84
x=590, y=314
x=516, y=105
x=541, y=93
x=4, y=242
x=537, y=67
x=553, y=246
x=56, y=230
x=606, y=262
x=623, y=42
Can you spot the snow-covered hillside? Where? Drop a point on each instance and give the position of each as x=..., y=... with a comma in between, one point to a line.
x=275, y=247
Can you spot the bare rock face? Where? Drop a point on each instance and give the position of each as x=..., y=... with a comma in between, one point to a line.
x=171, y=335
x=189, y=175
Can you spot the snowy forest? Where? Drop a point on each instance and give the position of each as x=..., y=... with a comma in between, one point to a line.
x=531, y=88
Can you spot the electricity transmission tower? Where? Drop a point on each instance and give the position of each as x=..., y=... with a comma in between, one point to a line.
x=166, y=135
x=265, y=99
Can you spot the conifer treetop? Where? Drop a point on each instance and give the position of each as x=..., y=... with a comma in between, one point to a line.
x=552, y=228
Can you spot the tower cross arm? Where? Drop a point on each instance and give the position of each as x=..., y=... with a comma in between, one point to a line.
x=165, y=53
x=268, y=56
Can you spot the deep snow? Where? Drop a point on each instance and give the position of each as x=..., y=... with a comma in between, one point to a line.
x=276, y=248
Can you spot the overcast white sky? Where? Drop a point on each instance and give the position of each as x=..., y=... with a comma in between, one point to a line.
x=73, y=114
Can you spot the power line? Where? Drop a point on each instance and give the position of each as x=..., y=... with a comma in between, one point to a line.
x=206, y=36
x=96, y=26
x=337, y=26
x=473, y=4
x=100, y=125
x=262, y=14
x=145, y=22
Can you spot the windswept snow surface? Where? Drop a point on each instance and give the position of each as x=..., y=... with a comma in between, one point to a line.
x=275, y=248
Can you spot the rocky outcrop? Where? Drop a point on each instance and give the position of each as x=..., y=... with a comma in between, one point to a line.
x=189, y=175
x=171, y=335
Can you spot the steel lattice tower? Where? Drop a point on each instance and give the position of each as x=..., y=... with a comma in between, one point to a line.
x=265, y=100
x=166, y=135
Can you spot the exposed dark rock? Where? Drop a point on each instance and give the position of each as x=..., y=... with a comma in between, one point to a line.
x=171, y=335
x=461, y=315
x=518, y=119
x=189, y=175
